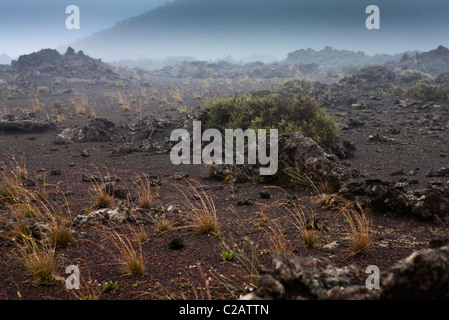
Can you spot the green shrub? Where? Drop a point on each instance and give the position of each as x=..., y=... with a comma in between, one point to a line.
x=120, y=84
x=323, y=127
x=296, y=87
x=398, y=91
x=43, y=89
x=414, y=75
x=201, y=73
x=111, y=286
x=285, y=113
x=426, y=91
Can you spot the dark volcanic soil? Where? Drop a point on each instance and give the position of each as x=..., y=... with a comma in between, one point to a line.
x=415, y=142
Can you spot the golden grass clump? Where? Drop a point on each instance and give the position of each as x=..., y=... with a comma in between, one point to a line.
x=103, y=199
x=130, y=254
x=163, y=225
x=359, y=227
x=145, y=195
x=39, y=262
x=278, y=238
x=202, y=208
x=308, y=232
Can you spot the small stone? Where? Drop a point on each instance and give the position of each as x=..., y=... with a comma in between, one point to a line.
x=85, y=153
x=265, y=194
x=330, y=246
x=28, y=182
x=432, y=173
x=245, y=202
x=55, y=172
x=180, y=176
x=176, y=243
x=398, y=172
x=401, y=185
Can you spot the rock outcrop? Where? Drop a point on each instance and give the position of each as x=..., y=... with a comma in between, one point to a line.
x=421, y=276
x=49, y=62
x=97, y=130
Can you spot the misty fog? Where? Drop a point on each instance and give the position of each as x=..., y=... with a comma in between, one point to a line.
x=236, y=30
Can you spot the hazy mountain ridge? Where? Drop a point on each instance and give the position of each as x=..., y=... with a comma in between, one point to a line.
x=433, y=62
x=331, y=57
x=215, y=28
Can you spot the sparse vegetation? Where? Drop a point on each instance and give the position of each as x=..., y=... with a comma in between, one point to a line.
x=39, y=260
x=103, y=199
x=120, y=84
x=145, y=195
x=427, y=91
x=212, y=231
x=43, y=89
x=296, y=87
x=202, y=208
x=163, y=225
x=359, y=226
x=110, y=286
x=423, y=90
x=287, y=114
x=302, y=223
x=277, y=235
x=130, y=255
x=89, y=291
x=58, y=105
x=414, y=75
x=177, y=96
x=81, y=103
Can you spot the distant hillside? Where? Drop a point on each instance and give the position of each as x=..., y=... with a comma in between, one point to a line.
x=210, y=29
x=433, y=62
x=329, y=57
x=50, y=63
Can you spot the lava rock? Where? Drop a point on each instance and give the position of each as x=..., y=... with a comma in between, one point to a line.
x=264, y=194
x=176, y=243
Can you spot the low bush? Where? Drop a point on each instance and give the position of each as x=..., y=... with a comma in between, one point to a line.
x=272, y=111
x=426, y=91
x=297, y=87
x=414, y=75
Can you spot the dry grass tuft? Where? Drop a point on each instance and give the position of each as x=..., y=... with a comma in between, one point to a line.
x=359, y=225
x=80, y=102
x=278, y=238
x=202, y=208
x=103, y=199
x=145, y=195
x=130, y=256
x=309, y=180
x=163, y=225
x=39, y=262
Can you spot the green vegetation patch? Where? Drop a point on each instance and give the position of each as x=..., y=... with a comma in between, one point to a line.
x=288, y=108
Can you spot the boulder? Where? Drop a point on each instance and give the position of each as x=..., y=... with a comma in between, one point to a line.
x=118, y=215
x=294, y=150
x=306, y=277
x=97, y=130
x=422, y=275
x=28, y=126
x=383, y=196
x=49, y=62
x=310, y=157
